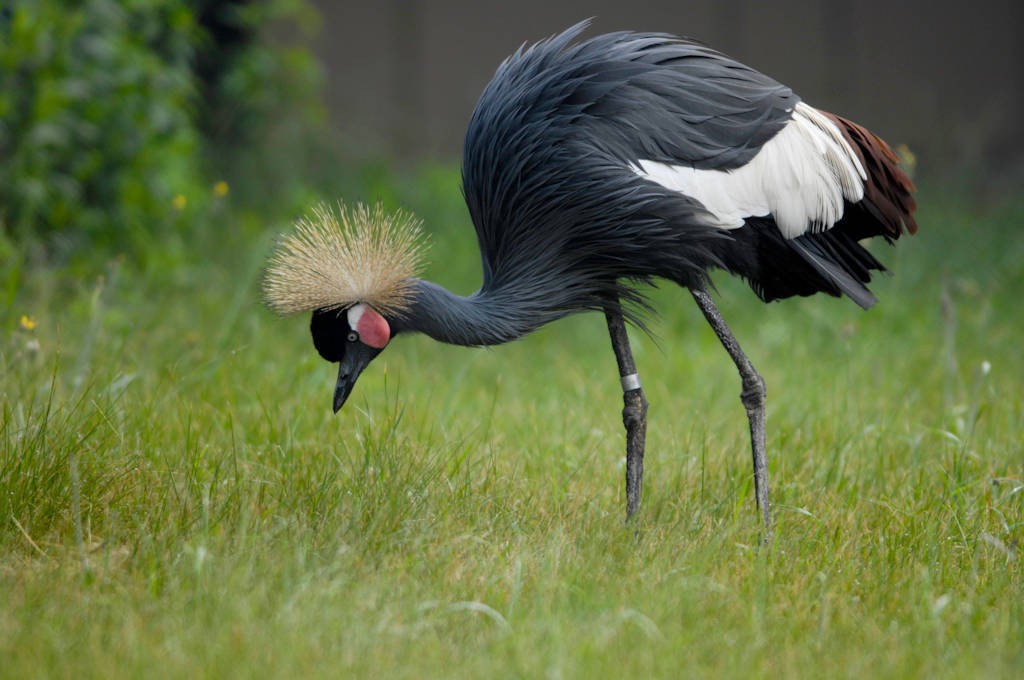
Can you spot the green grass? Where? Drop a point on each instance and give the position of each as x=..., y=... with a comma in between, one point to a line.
x=176, y=498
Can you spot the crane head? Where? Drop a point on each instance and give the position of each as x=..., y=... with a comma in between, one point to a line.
x=352, y=338
x=350, y=267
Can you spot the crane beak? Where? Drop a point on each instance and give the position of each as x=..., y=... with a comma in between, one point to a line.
x=343, y=387
x=356, y=358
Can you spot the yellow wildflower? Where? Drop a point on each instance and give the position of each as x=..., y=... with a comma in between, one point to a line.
x=908, y=159
x=27, y=322
x=220, y=189
x=179, y=202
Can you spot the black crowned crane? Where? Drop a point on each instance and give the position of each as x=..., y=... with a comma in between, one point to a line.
x=591, y=168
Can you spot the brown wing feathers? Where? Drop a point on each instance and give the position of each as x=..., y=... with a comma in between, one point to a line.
x=888, y=191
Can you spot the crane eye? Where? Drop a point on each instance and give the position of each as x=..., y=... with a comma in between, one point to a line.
x=353, y=336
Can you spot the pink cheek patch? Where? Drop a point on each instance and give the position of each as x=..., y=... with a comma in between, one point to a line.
x=373, y=329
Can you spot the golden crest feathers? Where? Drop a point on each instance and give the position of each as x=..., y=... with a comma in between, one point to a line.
x=338, y=257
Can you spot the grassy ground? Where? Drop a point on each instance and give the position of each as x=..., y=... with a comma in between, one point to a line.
x=178, y=499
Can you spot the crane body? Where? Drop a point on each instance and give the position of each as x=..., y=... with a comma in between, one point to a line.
x=592, y=168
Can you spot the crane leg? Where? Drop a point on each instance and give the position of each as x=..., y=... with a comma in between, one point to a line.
x=634, y=411
x=753, y=398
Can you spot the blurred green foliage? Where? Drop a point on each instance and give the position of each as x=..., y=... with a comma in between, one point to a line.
x=120, y=120
x=260, y=111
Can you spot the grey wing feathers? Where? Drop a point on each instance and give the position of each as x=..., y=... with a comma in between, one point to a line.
x=834, y=272
x=673, y=100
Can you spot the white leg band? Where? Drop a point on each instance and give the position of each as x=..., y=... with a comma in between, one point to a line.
x=630, y=382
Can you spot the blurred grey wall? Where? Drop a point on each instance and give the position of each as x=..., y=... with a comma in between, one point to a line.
x=945, y=78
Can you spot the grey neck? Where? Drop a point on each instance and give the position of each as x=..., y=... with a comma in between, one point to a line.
x=483, y=318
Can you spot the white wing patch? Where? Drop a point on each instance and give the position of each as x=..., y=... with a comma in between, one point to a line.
x=800, y=177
